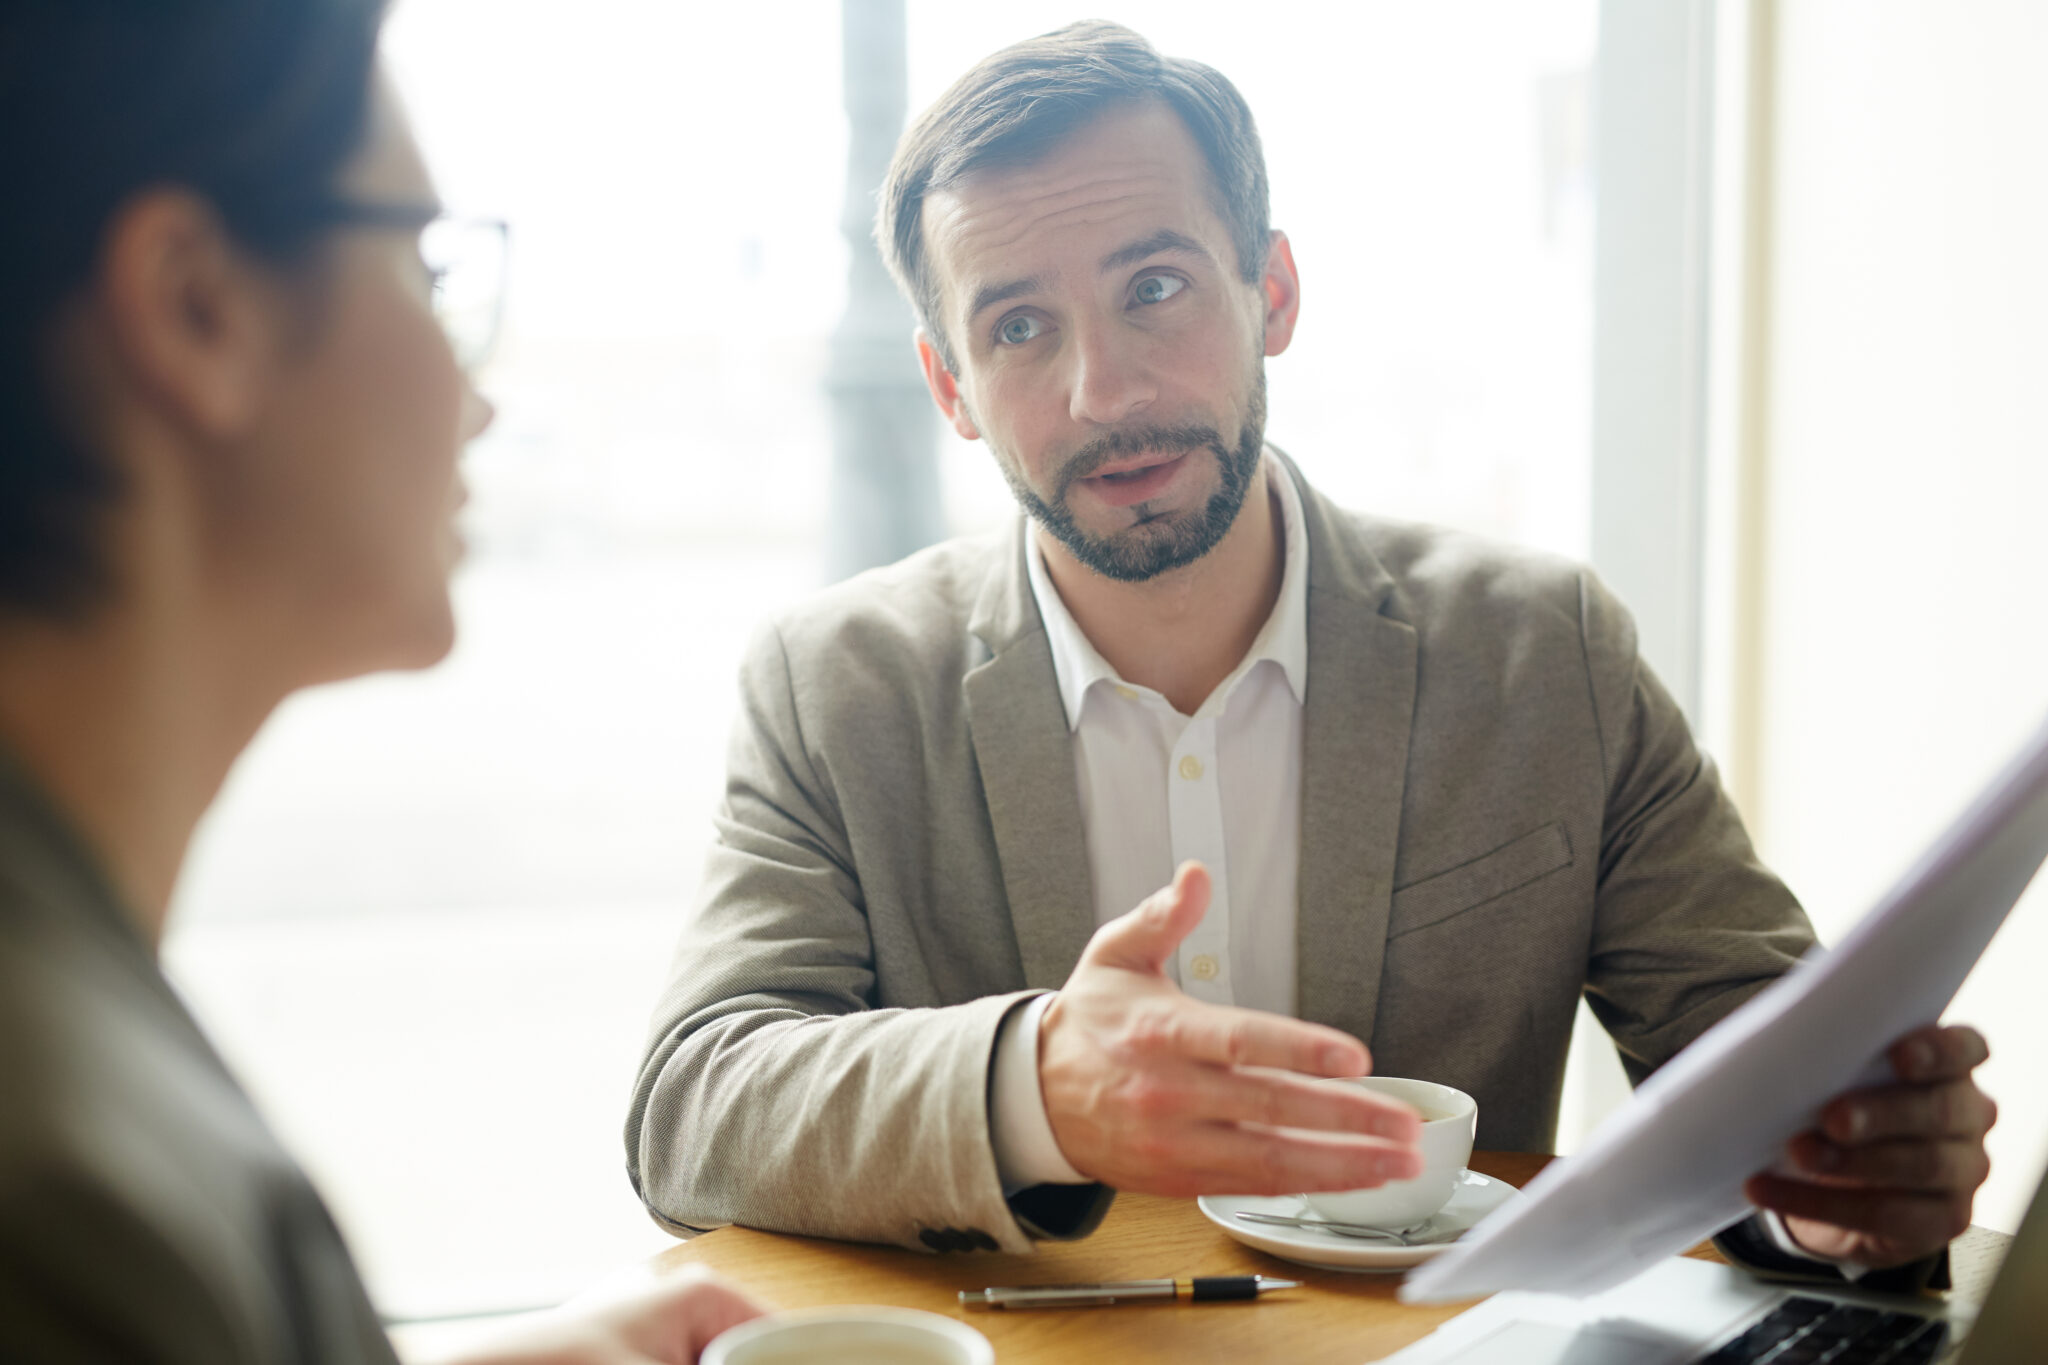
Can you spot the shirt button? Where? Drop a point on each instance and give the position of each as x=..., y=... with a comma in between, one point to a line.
x=1203, y=967
x=1127, y=693
x=1191, y=768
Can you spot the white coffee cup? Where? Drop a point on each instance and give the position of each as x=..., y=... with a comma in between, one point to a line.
x=854, y=1334
x=1450, y=1119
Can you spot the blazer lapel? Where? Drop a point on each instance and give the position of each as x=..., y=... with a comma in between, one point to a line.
x=1026, y=759
x=1355, y=735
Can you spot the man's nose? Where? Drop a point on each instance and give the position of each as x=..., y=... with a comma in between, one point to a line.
x=1111, y=380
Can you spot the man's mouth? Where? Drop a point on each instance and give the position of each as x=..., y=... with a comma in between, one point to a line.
x=1135, y=480
x=1130, y=469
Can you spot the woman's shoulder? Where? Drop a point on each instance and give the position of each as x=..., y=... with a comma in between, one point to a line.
x=145, y=1208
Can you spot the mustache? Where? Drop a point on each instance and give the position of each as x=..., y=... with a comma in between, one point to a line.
x=1134, y=441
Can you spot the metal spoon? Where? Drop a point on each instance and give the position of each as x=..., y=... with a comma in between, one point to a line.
x=1404, y=1237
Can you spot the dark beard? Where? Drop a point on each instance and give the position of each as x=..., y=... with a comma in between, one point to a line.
x=1160, y=541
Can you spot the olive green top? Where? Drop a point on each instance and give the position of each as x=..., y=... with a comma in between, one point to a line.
x=146, y=1211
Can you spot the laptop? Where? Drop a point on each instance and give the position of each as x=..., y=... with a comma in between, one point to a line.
x=1684, y=1311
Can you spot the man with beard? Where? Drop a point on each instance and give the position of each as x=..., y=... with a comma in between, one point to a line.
x=1419, y=790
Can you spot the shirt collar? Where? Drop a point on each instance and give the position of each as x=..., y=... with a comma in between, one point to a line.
x=1079, y=666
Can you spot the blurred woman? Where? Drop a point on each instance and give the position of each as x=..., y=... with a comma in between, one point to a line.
x=229, y=429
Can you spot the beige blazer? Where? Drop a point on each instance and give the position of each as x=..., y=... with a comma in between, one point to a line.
x=1501, y=810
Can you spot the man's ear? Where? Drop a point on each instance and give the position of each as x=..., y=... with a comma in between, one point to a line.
x=945, y=388
x=1282, y=289
x=193, y=324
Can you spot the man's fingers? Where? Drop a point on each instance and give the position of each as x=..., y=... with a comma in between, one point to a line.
x=1931, y=1167
x=1275, y=1099
x=1227, y=1036
x=1222, y=1158
x=1952, y=1109
x=1938, y=1053
x=1143, y=939
x=1909, y=1218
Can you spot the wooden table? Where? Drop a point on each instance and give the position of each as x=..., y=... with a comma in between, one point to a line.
x=1337, y=1318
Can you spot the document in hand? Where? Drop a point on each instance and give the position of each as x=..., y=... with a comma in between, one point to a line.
x=1667, y=1169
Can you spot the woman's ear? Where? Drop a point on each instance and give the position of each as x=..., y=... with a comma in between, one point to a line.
x=194, y=326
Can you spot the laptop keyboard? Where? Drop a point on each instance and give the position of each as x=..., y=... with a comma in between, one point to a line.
x=1803, y=1331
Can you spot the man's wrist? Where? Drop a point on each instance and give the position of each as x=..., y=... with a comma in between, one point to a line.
x=1752, y=1245
x=1756, y=1245
x=1772, y=1226
x=1026, y=1151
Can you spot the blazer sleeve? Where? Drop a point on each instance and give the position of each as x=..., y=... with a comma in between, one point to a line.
x=1688, y=924
x=771, y=1092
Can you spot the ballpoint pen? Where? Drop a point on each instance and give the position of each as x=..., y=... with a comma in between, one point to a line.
x=1198, y=1289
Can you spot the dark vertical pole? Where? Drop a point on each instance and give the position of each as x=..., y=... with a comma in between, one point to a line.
x=885, y=479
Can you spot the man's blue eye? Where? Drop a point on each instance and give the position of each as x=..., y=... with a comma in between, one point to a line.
x=1018, y=330
x=1158, y=288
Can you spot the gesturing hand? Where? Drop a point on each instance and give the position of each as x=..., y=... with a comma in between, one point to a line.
x=1148, y=1090
x=1891, y=1173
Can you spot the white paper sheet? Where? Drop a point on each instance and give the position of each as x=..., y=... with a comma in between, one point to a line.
x=1667, y=1169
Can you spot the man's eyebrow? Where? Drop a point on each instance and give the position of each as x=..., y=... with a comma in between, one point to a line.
x=1166, y=239
x=989, y=295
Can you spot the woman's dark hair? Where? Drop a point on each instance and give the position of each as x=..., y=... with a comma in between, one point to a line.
x=253, y=104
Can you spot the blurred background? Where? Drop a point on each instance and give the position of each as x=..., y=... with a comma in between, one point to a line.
x=1741, y=300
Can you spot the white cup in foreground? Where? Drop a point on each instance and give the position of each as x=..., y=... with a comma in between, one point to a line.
x=851, y=1335
x=1450, y=1119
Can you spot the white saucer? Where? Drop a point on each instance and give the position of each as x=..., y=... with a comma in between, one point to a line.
x=1476, y=1196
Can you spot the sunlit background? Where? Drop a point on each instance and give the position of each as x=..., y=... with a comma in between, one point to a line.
x=428, y=918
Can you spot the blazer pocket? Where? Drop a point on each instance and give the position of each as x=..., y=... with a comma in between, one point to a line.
x=1489, y=876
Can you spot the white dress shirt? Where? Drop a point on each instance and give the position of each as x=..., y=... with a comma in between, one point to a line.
x=1158, y=788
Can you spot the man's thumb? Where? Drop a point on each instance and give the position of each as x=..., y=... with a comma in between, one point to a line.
x=1143, y=940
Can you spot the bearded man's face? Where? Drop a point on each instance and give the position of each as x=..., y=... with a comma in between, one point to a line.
x=1104, y=342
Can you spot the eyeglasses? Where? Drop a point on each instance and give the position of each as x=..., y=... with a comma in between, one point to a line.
x=466, y=261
